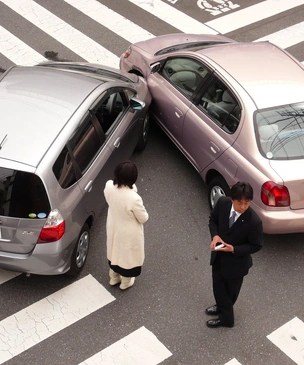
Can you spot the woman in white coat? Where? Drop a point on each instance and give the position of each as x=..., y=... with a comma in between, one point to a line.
x=125, y=233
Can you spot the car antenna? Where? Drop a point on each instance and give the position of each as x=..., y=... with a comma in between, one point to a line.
x=1, y=144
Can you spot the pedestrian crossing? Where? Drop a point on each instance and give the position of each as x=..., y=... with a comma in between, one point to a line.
x=139, y=347
x=33, y=324
x=287, y=37
x=289, y=338
x=251, y=14
x=17, y=51
x=28, y=327
x=52, y=314
x=67, y=35
x=36, y=323
x=7, y=275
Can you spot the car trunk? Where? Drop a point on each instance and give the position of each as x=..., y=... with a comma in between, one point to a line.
x=292, y=174
x=19, y=235
x=24, y=207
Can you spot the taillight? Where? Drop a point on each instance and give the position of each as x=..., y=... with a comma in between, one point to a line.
x=275, y=195
x=53, y=228
x=128, y=52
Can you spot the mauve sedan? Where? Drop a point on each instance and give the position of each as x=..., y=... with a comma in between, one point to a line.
x=236, y=111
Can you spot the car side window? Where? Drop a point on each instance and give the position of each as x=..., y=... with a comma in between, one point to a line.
x=64, y=170
x=110, y=108
x=185, y=74
x=79, y=152
x=221, y=105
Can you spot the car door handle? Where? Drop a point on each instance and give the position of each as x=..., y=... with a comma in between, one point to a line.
x=117, y=142
x=178, y=113
x=89, y=186
x=214, y=148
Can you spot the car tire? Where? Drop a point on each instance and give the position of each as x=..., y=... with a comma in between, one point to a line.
x=217, y=188
x=144, y=133
x=80, y=252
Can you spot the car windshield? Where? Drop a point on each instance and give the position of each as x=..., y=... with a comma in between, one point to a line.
x=280, y=132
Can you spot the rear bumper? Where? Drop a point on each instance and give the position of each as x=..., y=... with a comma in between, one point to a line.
x=281, y=222
x=46, y=259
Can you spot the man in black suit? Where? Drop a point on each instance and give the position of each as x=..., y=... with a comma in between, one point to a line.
x=236, y=226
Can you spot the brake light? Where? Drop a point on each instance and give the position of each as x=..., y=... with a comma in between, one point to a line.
x=275, y=195
x=53, y=228
x=127, y=53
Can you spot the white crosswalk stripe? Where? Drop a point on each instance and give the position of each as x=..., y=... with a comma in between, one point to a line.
x=70, y=37
x=50, y=315
x=252, y=14
x=111, y=20
x=172, y=16
x=290, y=339
x=233, y=362
x=286, y=37
x=7, y=275
x=138, y=348
x=39, y=321
x=16, y=50
x=91, y=51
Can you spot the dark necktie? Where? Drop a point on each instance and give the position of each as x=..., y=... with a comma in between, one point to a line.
x=232, y=218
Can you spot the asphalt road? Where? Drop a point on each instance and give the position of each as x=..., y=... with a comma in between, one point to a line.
x=170, y=296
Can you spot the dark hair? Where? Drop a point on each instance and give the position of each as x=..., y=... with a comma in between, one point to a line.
x=241, y=190
x=125, y=174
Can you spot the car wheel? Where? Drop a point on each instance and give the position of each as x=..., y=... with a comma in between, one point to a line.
x=144, y=133
x=217, y=188
x=80, y=252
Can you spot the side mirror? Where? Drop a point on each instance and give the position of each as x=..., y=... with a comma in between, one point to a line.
x=137, y=104
x=155, y=67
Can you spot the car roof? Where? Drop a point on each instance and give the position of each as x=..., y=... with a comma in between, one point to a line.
x=271, y=76
x=167, y=43
x=35, y=104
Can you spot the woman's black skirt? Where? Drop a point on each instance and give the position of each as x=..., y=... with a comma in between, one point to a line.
x=128, y=273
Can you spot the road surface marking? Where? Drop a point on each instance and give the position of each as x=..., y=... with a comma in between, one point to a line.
x=233, y=362
x=7, y=275
x=252, y=14
x=37, y=322
x=70, y=37
x=93, y=52
x=172, y=16
x=286, y=37
x=289, y=338
x=17, y=51
x=138, y=348
x=111, y=20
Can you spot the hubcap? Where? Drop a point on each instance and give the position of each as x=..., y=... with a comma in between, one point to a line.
x=82, y=249
x=215, y=194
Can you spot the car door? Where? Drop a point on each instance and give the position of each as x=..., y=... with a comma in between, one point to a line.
x=173, y=89
x=112, y=134
x=211, y=124
x=125, y=122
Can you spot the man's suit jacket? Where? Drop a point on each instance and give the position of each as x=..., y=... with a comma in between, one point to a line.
x=246, y=235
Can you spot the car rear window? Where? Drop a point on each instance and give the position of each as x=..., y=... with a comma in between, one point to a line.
x=22, y=195
x=280, y=132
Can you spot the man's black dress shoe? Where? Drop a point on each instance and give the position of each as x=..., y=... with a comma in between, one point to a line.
x=215, y=323
x=212, y=311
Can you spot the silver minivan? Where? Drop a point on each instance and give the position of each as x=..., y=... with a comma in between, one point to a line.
x=64, y=127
